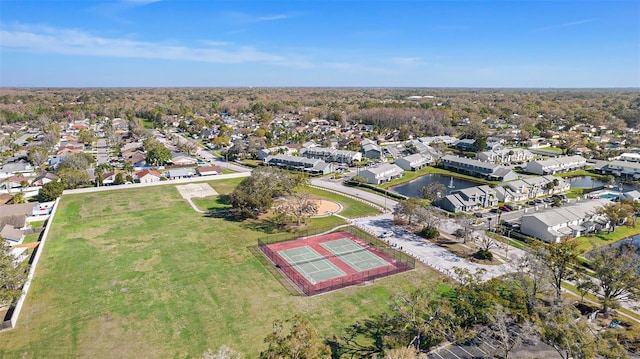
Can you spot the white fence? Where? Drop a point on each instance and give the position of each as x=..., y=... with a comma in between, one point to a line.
x=25, y=289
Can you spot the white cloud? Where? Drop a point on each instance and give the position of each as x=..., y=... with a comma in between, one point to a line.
x=245, y=18
x=47, y=40
x=563, y=25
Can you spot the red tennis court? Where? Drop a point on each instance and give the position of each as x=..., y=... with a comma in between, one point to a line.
x=331, y=261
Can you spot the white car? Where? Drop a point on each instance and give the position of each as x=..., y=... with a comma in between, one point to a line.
x=386, y=234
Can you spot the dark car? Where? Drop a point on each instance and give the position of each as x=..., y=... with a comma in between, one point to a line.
x=505, y=209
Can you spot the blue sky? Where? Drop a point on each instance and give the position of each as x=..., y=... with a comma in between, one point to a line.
x=320, y=43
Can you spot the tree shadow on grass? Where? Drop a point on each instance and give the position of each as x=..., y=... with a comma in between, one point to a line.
x=265, y=225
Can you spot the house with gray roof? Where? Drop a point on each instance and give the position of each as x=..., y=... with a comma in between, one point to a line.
x=328, y=154
x=370, y=149
x=487, y=170
x=531, y=187
x=309, y=165
x=382, y=173
x=556, y=165
x=469, y=199
x=179, y=173
x=414, y=162
x=573, y=220
x=505, y=155
x=13, y=168
x=624, y=169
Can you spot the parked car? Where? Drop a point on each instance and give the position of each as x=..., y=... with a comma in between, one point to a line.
x=505, y=209
x=386, y=234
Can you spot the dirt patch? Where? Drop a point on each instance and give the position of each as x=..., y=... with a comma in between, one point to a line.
x=326, y=207
x=196, y=190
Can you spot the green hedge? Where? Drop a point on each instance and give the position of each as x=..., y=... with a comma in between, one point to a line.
x=376, y=189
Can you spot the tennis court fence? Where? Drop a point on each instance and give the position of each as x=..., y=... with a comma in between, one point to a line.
x=399, y=262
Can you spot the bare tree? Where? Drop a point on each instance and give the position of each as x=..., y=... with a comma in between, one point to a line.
x=508, y=334
x=559, y=258
x=298, y=206
x=530, y=274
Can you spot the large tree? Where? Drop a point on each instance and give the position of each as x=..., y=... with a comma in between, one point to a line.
x=295, y=338
x=254, y=195
x=433, y=191
x=616, y=270
x=50, y=191
x=559, y=258
x=410, y=209
x=74, y=178
x=76, y=161
x=567, y=333
x=420, y=319
x=158, y=155
x=616, y=213
x=12, y=275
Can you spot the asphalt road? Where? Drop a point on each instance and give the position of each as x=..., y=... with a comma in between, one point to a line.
x=336, y=185
x=102, y=155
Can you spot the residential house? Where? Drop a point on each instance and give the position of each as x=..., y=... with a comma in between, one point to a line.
x=505, y=155
x=630, y=157
x=109, y=178
x=180, y=173
x=556, y=165
x=17, y=214
x=623, y=169
x=465, y=145
x=370, y=149
x=263, y=153
x=148, y=176
x=531, y=187
x=138, y=159
x=487, y=170
x=448, y=140
x=382, y=173
x=414, y=162
x=208, y=170
x=183, y=159
x=11, y=233
x=14, y=168
x=573, y=220
x=44, y=178
x=469, y=199
x=332, y=155
x=631, y=195
x=309, y=165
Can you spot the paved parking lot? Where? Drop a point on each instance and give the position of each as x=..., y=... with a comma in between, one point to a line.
x=488, y=348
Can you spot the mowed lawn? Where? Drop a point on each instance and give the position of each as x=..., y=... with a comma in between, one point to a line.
x=138, y=273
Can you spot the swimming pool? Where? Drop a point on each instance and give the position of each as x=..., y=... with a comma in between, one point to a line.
x=609, y=195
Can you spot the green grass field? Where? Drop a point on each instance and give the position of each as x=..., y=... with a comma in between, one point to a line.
x=604, y=238
x=138, y=273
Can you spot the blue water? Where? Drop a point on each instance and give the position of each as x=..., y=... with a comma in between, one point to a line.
x=412, y=189
x=590, y=182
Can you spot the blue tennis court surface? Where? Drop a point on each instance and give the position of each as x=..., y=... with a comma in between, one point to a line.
x=314, y=267
x=357, y=257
